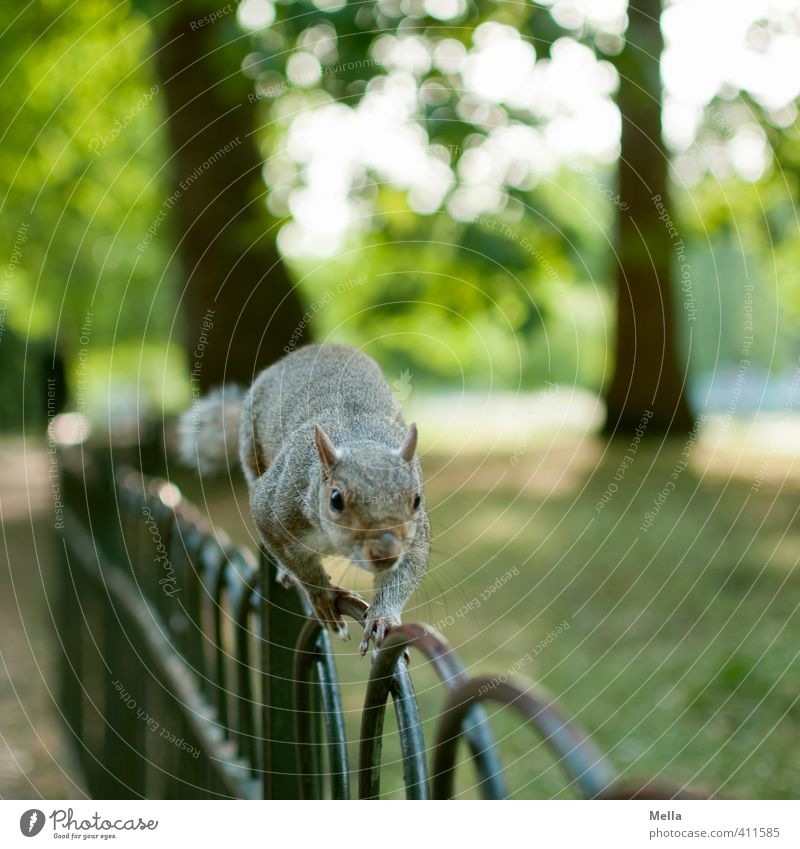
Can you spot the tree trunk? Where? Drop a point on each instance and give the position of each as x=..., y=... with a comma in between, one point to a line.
x=240, y=307
x=648, y=385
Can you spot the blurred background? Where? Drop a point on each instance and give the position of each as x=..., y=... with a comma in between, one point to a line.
x=566, y=230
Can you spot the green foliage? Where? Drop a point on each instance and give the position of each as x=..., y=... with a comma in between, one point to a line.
x=80, y=164
x=441, y=297
x=472, y=284
x=83, y=160
x=742, y=234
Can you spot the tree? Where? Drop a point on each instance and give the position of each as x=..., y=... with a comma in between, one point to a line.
x=239, y=302
x=647, y=384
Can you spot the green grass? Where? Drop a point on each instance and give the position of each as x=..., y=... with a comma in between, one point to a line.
x=680, y=658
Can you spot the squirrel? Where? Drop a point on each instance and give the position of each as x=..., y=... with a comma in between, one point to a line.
x=331, y=469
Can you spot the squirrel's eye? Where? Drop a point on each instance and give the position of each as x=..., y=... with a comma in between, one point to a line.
x=337, y=502
x=417, y=500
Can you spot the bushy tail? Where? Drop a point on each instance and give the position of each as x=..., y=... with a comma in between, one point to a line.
x=208, y=432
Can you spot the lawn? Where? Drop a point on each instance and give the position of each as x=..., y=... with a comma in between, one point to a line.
x=673, y=639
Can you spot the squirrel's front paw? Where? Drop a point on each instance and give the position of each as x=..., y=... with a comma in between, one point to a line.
x=326, y=608
x=327, y=611
x=375, y=628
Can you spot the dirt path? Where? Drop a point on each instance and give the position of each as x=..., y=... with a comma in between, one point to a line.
x=34, y=758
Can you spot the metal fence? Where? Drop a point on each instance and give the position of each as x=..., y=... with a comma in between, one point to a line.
x=191, y=672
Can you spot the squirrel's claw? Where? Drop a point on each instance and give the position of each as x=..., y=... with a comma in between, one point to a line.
x=326, y=608
x=328, y=613
x=375, y=630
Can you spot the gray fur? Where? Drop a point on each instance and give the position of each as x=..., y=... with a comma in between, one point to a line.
x=291, y=474
x=208, y=432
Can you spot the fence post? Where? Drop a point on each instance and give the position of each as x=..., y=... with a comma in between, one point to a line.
x=283, y=617
x=124, y=745
x=70, y=633
x=74, y=594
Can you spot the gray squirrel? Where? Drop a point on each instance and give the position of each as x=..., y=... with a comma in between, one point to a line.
x=331, y=469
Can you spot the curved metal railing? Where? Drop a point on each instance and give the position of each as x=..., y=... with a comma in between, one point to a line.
x=234, y=683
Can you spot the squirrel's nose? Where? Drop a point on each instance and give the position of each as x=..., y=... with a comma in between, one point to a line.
x=385, y=550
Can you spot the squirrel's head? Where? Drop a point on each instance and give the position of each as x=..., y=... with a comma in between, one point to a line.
x=370, y=498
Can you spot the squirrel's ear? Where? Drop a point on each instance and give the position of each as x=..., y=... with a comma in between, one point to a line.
x=325, y=448
x=409, y=445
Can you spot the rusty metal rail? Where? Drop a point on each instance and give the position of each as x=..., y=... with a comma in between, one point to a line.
x=190, y=672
